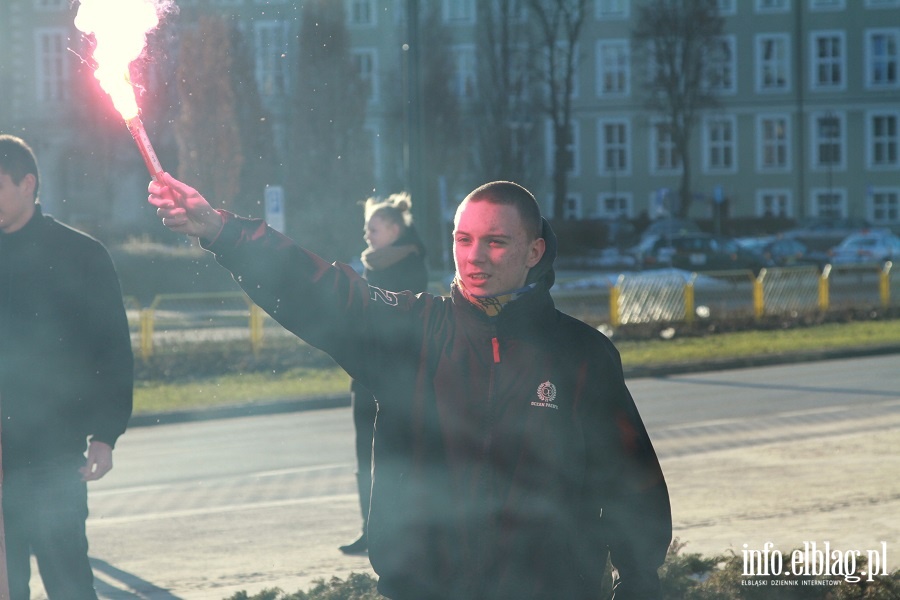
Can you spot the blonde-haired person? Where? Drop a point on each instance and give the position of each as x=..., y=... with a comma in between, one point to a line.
x=394, y=259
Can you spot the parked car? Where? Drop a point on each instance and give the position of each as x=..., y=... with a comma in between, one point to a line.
x=784, y=252
x=670, y=226
x=872, y=246
x=697, y=252
x=822, y=233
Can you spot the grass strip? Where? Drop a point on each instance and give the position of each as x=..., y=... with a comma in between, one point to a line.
x=246, y=388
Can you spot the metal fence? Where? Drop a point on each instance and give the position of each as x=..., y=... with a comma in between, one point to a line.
x=622, y=299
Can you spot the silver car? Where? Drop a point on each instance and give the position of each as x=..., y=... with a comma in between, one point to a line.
x=873, y=247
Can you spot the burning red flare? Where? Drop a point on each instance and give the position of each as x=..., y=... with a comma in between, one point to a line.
x=120, y=29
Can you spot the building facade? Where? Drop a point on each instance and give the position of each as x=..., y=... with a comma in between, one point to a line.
x=808, y=123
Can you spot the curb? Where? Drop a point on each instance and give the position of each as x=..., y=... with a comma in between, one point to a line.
x=255, y=409
x=275, y=407
x=749, y=362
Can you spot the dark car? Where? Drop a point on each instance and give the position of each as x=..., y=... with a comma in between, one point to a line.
x=784, y=252
x=670, y=226
x=701, y=252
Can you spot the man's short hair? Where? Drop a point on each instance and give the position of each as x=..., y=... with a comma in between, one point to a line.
x=512, y=194
x=17, y=160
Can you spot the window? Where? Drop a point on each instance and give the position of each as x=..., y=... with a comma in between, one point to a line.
x=774, y=203
x=49, y=5
x=513, y=11
x=882, y=3
x=52, y=66
x=828, y=141
x=271, y=45
x=722, y=66
x=613, y=76
x=827, y=52
x=463, y=81
x=613, y=206
x=772, y=146
x=883, y=140
x=665, y=155
x=573, y=159
x=366, y=62
x=772, y=6
x=611, y=9
x=361, y=13
x=726, y=7
x=830, y=204
x=772, y=63
x=613, y=141
x=573, y=207
x=519, y=75
x=720, y=144
x=884, y=206
x=827, y=4
x=459, y=12
x=881, y=58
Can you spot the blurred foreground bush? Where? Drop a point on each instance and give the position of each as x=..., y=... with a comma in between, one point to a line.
x=683, y=577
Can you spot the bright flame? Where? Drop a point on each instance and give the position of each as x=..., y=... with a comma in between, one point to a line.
x=120, y=28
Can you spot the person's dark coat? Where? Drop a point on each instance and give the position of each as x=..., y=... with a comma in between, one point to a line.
x=400, y=267
x=66, y=365
x=524, y=457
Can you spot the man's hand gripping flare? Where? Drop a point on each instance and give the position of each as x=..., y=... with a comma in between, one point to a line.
x=182, y=208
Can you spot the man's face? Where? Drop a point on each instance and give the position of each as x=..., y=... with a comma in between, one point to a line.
x=492, y=250
x=16, y=202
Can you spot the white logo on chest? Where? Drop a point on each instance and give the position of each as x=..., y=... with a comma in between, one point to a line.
x=546, y=393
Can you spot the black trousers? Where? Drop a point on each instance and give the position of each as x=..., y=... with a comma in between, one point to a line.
x=364, y=411
x=44, y=512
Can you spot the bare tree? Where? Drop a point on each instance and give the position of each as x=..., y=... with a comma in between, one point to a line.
x=331, y=166
x=209, y=145
x=259, y=167
x=681, y=42
x=446, y=139
x=560, y=23
x=506, y=112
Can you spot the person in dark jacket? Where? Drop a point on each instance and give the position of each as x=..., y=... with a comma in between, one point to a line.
x=394, y=259
x=66, y=374
x=518, y=459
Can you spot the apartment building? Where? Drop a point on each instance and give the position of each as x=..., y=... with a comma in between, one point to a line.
x=808, y=123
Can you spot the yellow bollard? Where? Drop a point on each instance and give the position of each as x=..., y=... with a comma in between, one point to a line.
x=759, y=302
x=257, y=316
x=146, y=333
x=615, y=293
x=824, y=280
x=689, y=300
x=884, y=284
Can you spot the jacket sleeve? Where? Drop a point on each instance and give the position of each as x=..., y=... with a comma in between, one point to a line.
x=110, y=351
x=328, y=305
x=636, y=520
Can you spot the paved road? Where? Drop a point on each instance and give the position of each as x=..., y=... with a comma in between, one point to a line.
x=785, y=454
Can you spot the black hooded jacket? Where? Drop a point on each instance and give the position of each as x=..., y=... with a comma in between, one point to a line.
x=516, y=456
x=66, y=365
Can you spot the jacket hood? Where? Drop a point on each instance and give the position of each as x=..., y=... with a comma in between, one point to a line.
x=543, y=272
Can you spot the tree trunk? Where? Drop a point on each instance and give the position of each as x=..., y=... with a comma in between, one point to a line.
x=560, y=187
x=684, y=190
